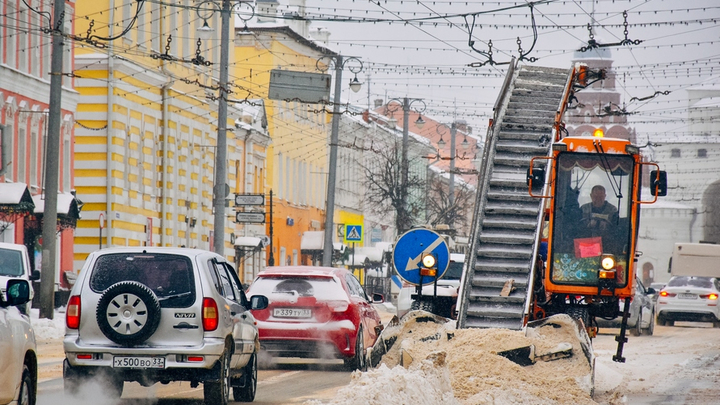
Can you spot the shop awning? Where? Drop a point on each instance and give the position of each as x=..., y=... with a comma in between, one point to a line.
x=15, y=201
x=68, y=209
x=248, y=242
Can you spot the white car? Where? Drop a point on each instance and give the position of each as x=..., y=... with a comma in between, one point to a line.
x=160, y=314
x=447, y=292
x=15, y=264
x=18, y=349
x=686, y=298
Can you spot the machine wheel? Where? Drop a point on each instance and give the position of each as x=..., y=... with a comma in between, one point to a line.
x=218, y=392
x=246, y=393
x=637, y=330
x=28, y=391
x=581, y=313
x=357, y=362
x=651, y=328
x=423, y=306
x=128, y=313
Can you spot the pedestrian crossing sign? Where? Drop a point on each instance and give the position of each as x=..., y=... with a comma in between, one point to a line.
x=353, y=233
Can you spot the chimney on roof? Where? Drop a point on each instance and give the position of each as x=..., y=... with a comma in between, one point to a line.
x=266, y=11
x=379, y=102
x=469, y=129
x=320, y=34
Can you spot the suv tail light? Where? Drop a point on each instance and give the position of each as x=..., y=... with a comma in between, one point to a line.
x=209, y=314
x=72, y=314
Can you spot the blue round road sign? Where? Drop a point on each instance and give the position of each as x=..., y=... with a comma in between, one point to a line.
x=408, y=253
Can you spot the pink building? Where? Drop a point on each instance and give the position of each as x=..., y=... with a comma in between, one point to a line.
x=25, y=50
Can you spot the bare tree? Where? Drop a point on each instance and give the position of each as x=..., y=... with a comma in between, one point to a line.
x=458, y=215
x=384, y=188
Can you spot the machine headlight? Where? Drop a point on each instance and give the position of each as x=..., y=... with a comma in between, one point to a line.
x=429, y=260
x=607, y=262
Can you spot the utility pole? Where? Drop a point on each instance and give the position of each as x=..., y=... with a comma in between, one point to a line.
x=404, y=167
x=451, y=186
x=332, y=166
x=52, y=166
x=220, y=189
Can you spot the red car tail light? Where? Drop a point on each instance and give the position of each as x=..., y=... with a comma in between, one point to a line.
x=667, y=294
x=72, y=313
x=209, y=314
x=709, y=296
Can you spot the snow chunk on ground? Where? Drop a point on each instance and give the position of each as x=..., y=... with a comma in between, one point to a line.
x=48, y=329
x=424, y=354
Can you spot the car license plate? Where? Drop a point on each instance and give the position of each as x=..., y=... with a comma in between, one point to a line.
x=138, y=362
x=687, y=296
x=292, y=313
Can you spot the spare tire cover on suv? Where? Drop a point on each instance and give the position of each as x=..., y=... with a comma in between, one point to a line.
x=128, y=313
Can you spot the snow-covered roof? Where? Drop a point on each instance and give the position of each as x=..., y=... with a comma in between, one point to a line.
x=14, y=193
x=67, y=204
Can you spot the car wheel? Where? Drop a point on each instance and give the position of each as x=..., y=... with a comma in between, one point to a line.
x=28, y=390
x=716, y=323
x=357, y=362
x=246, y=393
x=637, y=330
x=651, y=328
x=660, y=320
x=128, y=313
x=218, y=392
x=72, y=379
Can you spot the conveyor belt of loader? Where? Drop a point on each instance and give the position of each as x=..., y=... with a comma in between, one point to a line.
x=507, y=219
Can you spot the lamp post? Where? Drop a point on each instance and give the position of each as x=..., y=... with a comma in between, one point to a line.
x=205, y=11
x=406, y=104
x=355, y=85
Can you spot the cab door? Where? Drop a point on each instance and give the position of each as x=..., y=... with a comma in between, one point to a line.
x=244, y=330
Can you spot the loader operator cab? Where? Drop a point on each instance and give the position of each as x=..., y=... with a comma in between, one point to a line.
x=591, y=217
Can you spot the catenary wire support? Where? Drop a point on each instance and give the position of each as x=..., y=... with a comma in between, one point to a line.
x=489, y=53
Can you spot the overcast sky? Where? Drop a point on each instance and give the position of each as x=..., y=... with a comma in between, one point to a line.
x=420, y=49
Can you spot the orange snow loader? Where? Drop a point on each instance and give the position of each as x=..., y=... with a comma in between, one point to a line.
x=592, y=187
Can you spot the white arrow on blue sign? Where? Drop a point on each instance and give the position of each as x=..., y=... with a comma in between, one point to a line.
x=408, y=253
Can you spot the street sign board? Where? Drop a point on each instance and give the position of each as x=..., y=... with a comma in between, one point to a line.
x=408, y=251
x=306, y=87
x=250, y=217
x=353, y=233
x=249, y=199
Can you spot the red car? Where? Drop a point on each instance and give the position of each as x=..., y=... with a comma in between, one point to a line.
x=315, y=312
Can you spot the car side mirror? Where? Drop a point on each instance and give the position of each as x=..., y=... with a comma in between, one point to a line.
x=650, y=291
x=17, y=293
x=658, y=183
x=35, y=275
x=378, y=298
x=258, y=302
x=536, y=178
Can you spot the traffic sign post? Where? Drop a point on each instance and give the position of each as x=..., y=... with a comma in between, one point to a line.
x=249, y=199
x=353, y=234
x=408, y=252
x=250, y=217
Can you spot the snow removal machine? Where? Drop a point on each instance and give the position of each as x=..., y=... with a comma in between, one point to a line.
x=556, y=219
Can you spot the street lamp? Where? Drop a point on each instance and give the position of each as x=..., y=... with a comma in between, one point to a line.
x=205, y=11
x=339, y=63
x=406, y=104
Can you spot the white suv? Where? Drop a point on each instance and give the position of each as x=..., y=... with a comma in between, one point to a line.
x=159, y=315
x=18, y=350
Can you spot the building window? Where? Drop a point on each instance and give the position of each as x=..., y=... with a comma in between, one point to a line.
x=21, y=153
x=66, y=165
x=675, y=153
x=7, y=142
x=34, y=159
x=280, y=174
x=702, y=153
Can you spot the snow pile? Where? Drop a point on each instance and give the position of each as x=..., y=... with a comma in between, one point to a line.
x=48, y=329
x=425, y=352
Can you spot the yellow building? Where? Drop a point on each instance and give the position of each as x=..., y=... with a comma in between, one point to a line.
x=297, y=173
x=145, y=145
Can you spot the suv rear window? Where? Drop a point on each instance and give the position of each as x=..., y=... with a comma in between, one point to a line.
x=169, y=276
x=325, y=289
x=702, y=282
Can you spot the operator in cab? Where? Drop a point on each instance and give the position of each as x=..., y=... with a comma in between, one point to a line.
x=600, y=218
